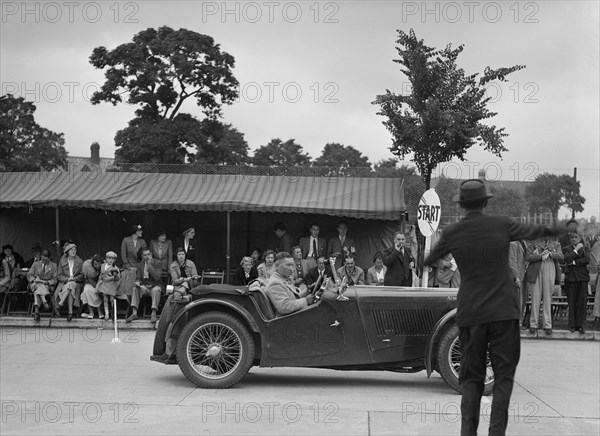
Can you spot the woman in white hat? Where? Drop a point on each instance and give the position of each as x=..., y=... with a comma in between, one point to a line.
x=70, y=281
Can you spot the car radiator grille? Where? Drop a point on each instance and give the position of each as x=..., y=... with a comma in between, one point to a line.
x=403, y=322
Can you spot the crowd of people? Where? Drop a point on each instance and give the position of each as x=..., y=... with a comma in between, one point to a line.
x=72, y=285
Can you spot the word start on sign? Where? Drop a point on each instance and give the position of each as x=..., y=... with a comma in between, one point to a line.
x=430, y=213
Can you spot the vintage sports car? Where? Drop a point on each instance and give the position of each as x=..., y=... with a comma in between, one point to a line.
x=218, y=332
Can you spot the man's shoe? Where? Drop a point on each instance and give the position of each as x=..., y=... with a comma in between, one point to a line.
x=56, y=313
x=523, y=327
x=573, y=329
x=69, y=317
x=153, y=317
x=532, y=330
x=131, y=318
x=581, y=330
x=548, y=332
x=36, y=317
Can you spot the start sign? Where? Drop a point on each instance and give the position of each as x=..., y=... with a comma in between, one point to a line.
x=429, y=212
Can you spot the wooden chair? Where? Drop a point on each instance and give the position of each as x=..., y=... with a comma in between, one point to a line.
x=212, y=277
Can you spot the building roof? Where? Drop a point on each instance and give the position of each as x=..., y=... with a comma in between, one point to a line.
x=355, y=197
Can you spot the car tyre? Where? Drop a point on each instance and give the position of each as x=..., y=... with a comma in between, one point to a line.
x=215, y=350
x=167, y=315
x=448, y=361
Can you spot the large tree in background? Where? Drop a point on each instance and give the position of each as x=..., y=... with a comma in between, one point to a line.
x=341, y=158
x=158, y=71
x=279, y=153
x=442, y=116
x=549, y=192
x=505, y=201
x=223, y=144
x=24, y=144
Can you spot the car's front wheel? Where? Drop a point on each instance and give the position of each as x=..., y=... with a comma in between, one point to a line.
x=215, y=350
x=448, y=361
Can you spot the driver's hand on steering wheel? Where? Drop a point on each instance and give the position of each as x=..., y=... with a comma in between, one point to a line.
x=310, y=299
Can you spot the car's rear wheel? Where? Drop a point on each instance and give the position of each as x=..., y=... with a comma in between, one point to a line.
x=215, y=350
x=448, y=361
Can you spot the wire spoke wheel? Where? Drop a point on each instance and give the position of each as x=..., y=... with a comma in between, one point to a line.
x=215, y=350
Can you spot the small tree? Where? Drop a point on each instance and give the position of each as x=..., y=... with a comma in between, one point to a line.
x=341, y=159
x=549, y=192
x=24, y=144
x=279, y=153
x=443, y=115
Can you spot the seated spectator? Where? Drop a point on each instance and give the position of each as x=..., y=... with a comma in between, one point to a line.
x=184, y=275
x=10, y=263
x=12, y=256
x=148, y=283
x=42, y=277
x=256, y=256
x=246, y=272
x=447, y=273
x=321, y=270
x=108, y=282
x=36, y=251
x=301, y=270
x=376, y=273
x=354, y=274
x=284, y=296
x=266, y=268
x=90, y=295
x=162, y=250
x=341, y=244
x=70, y=281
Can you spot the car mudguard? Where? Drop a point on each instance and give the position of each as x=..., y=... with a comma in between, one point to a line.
x=437, y=329
x=238, y=309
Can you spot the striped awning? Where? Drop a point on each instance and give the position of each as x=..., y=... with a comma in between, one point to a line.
x=355, y=197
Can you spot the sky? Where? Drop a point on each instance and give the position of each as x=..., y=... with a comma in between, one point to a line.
x=309, y=71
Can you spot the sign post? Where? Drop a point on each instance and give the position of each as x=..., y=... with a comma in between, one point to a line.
x=429, y=212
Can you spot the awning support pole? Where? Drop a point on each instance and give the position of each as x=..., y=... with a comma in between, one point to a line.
x=228, y=252
x=57, y=225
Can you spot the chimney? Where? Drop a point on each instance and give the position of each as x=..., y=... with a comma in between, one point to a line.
x=95, y=158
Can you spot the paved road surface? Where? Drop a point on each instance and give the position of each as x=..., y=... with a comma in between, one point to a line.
x=76, y=382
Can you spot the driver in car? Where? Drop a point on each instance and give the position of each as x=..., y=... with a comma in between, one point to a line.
x=284, y=296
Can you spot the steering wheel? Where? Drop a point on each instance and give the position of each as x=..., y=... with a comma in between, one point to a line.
x=316, y=290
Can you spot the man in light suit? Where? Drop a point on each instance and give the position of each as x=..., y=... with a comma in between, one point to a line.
x=284, y=296
x=312, y=246
x=149, y=283
x=487, y=305
x=341, y=245
x=518, y=267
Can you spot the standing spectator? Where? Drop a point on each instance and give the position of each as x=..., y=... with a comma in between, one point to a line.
x=572, y=226
x=577, y=277
x=341, y=245
x=246, y=272
x=70, y=281
x=162, y=250
x=321, y=270
x=148, y=283
x=487, y=305
x=42, y=277
x=186, y=241
x=447, y=274
x=399, y=262
x=285, y=239
x=10, y=262
x=183, y=274
x=518, y=267
x=376, y=274
x=595, y=263
x=542, y=274
x=301, y=267
x=266, y=268
x=312, y=246
x=354, y=274
x=256, y=256
x=108, y=282
x=36, y=252
x=131, y=247
x=90, y=295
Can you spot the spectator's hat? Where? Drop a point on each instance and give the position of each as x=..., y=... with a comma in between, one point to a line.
x=161, y=232
x=5, y=246
x=68, y=247
x=111, y=254
x=572, y=220
x=471, y=191
x=135, y=228
x=186, y=231
x=35, y=247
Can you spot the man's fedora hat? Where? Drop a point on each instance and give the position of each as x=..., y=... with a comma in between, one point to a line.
x=471, y=191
